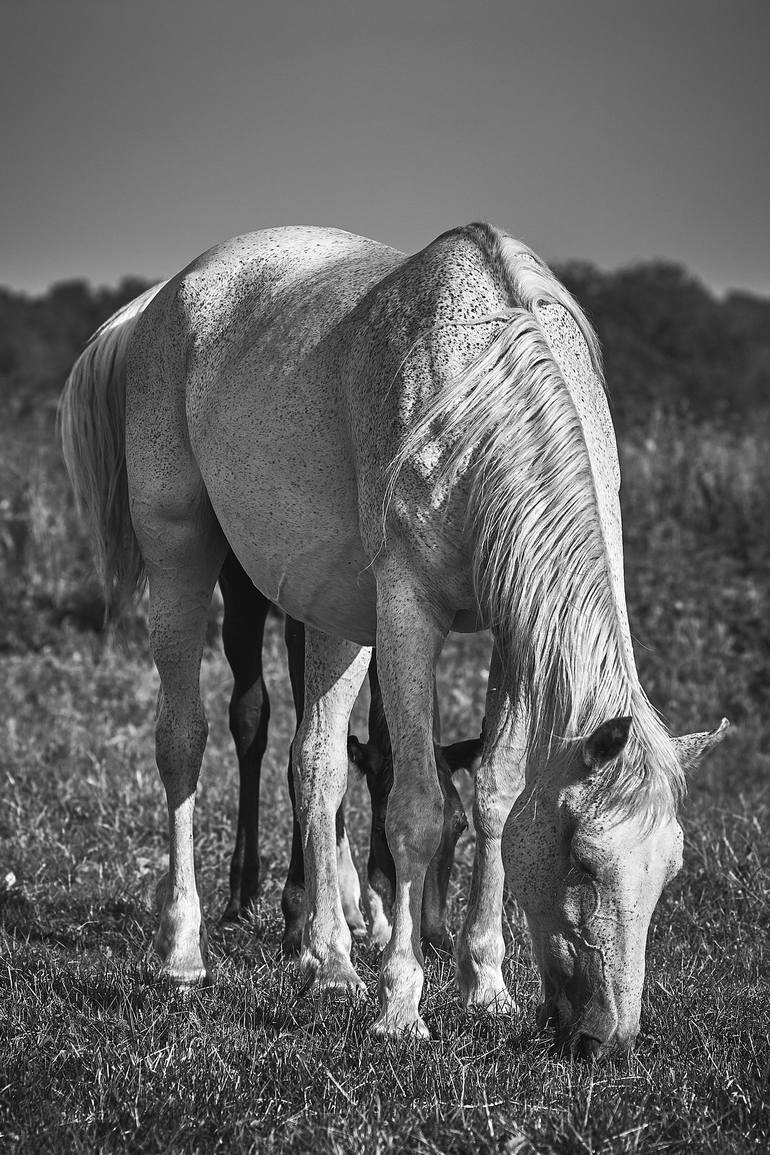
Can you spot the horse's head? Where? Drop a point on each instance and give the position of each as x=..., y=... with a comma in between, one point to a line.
x=589, y=877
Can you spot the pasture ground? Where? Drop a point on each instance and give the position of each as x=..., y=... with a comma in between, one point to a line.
x=95, y=1056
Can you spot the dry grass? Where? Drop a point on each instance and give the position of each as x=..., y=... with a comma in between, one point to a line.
x=95, y=1056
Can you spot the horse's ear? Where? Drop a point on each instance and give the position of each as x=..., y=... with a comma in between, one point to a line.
x=356, y=752
x=690, y=748
x=606, y=742
x=365, y=755
x=463, y=755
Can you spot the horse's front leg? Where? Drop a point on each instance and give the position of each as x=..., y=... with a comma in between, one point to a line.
x=409, y=640
x=499, y=780
x=334, y=671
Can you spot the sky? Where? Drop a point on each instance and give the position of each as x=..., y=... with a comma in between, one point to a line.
x=135, y=134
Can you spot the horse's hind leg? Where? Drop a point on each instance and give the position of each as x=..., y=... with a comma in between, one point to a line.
x=245, y=611
x=293, y=897
x=183, y=555
x=334, y=671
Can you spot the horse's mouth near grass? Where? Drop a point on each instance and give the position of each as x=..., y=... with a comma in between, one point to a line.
x=571, y=1040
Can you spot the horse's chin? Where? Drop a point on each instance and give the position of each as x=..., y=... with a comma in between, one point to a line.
x=586, y=1037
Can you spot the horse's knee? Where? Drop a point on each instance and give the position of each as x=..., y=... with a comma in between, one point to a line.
x=415, y=820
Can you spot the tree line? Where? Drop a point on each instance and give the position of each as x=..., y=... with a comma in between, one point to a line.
x=670, y=344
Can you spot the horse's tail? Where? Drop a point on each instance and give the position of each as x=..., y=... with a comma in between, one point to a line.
x=92, y=424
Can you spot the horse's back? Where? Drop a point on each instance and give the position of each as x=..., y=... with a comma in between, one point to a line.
x=254, y=277
x=247, y=340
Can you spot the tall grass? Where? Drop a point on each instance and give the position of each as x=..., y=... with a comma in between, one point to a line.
x=95, y=1056
x=696, y=506
x=699, y=485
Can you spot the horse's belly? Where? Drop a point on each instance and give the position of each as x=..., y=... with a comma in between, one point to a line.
x=325, y=585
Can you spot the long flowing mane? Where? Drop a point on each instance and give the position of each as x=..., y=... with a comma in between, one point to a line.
x=545, y=573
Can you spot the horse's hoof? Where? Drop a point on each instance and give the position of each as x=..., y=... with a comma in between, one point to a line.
x=338, y=979
x=291, y=943
x=334, y=978
x=185, y=980
x=380, y=935
x=394, y=1026
x=491, y=1000
x=185, y=974
x=231, y=913
x=182, y=956
x=339, y=988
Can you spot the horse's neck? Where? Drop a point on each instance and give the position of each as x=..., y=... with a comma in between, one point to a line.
x=590, y=401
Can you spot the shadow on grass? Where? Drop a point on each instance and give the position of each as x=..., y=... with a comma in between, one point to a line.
x=76, y=926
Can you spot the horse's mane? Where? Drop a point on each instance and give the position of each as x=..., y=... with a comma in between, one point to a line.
x=543, y=568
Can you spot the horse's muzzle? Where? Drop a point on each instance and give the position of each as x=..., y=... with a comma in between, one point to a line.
x=593, y=1035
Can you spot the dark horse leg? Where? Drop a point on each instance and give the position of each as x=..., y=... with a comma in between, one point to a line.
x=243, y=626
x=375, y=759
x=243, y=630
x=293, y=897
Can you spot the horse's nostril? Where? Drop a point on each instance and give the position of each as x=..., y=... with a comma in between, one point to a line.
x=588, y=1047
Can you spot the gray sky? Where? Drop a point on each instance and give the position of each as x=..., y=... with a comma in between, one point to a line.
x=136, y=134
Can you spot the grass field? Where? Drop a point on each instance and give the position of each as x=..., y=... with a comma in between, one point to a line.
x=94, y=1056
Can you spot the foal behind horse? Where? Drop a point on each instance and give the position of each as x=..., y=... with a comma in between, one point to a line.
x=245, y=613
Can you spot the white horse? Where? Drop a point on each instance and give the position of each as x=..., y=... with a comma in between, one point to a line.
x=395, y=447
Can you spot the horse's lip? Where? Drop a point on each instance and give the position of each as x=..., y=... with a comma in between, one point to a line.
x=570, y=1039
x=588, y=1047
x=581, y=1044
